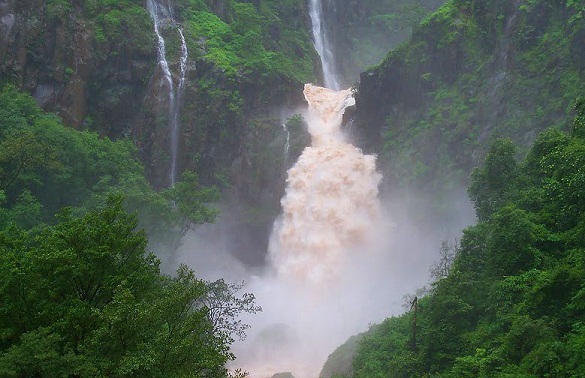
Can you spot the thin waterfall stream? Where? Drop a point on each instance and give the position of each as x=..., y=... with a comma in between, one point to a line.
x=162, y=15
x=321, y=40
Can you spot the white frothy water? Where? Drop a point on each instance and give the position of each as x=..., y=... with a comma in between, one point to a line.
x=322, y=45
x=331, y=200
x=315, y=300
x=161, y=13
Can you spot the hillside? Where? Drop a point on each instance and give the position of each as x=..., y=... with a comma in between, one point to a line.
x=510, y=301
x=473, y=71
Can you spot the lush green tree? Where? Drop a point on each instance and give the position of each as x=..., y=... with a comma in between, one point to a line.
x=511, y=304
x=83, y=298
x=45, y=166
x=490, y=184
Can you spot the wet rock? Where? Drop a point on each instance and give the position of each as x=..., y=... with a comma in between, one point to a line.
x=283, y=375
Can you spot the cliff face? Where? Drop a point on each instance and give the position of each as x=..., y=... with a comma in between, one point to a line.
x=70, y=63
x=94, y=63
x=474, y=70
x=362, y=32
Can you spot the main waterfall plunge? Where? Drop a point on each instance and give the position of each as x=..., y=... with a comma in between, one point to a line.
x=331, y=202
x=324, y=244
x=335, y=262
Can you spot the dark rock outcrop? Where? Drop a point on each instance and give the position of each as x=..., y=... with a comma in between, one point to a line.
x=283, y=375
x=56, y=52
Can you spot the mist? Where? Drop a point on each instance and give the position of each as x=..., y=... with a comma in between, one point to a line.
x=338, y=261
x=300, y=325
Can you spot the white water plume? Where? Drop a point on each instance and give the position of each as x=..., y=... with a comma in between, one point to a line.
x=331, y=200
x=320, y=250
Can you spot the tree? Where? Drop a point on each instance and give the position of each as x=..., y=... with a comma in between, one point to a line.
x=447, y=255
x=490, y=184
x=579, y=120
x=83, y=298
x=45, y=166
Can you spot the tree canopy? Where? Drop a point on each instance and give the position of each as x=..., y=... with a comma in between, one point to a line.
x=45, y=166
x=83, y=298
x=512, y=303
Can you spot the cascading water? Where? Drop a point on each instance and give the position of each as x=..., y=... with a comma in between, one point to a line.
x=162, y=15
x=286, y=142
x=327, y=230
x=331, y=201
x=175, y=126
x=321, y=40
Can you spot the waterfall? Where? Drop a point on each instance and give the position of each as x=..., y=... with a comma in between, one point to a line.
x=286, y=143
x=322, y=45
x=175, y=126
x=326, y=237
x=162, y=13
x=326, y=249
x=330, y=204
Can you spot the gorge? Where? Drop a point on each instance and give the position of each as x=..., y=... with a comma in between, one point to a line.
x=431, y=215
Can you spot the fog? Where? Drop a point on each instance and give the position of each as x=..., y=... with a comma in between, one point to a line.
x=341, y=257
x=301, y=324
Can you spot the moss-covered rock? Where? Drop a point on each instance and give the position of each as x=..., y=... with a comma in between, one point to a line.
x=472, y=71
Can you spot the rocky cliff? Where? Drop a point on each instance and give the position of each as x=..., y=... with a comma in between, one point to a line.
x=362, y=32
x=94, y=63
x=78, y=61
x=473, y=70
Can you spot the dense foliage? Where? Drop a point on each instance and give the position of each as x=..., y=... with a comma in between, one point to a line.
x=45, y=166
x=82, y=298
x=250, y=41
x=512, y=304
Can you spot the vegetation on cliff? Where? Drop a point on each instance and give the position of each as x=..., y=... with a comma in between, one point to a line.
x=473, y=71
x=510, y=303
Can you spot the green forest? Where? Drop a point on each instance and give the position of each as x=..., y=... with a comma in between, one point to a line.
x=81, y=295
x=476, y=94
x=508, y=301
